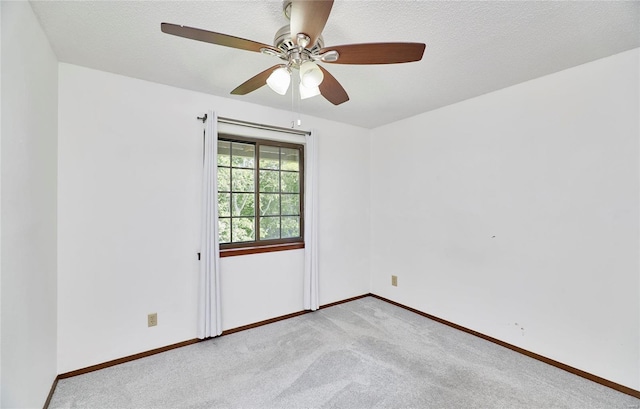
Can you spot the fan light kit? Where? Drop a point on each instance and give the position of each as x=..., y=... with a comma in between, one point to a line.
x=301, y=46
x=279, y=80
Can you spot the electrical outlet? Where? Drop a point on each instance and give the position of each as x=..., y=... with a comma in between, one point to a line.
x=152, y=319
x=394, y=281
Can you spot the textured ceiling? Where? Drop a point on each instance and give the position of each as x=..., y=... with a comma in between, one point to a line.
x=472, y=47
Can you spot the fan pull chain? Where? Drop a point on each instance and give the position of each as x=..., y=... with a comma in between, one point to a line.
x=293, y=114
x=295, y=109
x=299, y=100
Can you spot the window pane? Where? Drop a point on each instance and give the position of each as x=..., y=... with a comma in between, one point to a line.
x=269, y=228
x=290, y=159
x=270, y=205
x=290, y=226
x=290, y=204
x=224, y=230
x=224, y=153
x=269, y=181
x=242, y=180
x=290, y=183
x=224, y=205
x=242, y=155
x=260, y=192
x=242, y=204
x=243, y=229
x=269, y=157
x=224, y=179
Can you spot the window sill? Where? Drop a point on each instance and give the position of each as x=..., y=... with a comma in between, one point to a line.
x=260, y=249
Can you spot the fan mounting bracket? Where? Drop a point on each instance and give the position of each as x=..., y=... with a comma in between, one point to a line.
x=286, y=9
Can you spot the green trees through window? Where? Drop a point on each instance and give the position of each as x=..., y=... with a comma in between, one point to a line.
x=260, y=192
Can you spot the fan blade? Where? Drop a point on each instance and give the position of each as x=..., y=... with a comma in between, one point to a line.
x=377, y=53
x=331, y=89
x=214, y=38
x=309, y=17
x=254, y=82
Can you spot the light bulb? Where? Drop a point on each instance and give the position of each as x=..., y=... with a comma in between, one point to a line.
x=308, y=92
x=279, y=80
x=310, y=74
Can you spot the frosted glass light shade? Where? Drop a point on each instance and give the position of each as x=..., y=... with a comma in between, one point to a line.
x=308, y=92
x=310, y=74
x=279, y=80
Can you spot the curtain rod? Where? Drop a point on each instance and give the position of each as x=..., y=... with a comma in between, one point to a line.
x=256, y=125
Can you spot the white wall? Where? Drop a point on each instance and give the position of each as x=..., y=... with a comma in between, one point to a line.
x=28, y=209
x=515, y=214
x=0, y=211
x=130, y=157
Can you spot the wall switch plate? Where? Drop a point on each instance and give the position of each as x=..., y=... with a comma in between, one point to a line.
x=152, y=319
x=394, y=281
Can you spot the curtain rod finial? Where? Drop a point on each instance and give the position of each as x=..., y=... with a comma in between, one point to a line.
x=202, y=118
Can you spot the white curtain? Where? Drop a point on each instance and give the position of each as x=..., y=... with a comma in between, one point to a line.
x=311, y=224
x=209, y=316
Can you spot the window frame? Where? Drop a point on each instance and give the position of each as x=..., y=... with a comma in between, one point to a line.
x=267, y=245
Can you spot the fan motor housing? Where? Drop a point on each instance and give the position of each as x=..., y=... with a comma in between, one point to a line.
x=282, y=41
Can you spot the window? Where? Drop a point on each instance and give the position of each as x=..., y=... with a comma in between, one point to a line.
x=260, y=194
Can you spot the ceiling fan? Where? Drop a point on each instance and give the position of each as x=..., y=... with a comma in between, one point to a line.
x=300, y=45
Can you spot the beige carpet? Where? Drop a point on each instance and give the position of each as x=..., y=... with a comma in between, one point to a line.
x=362, y=354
